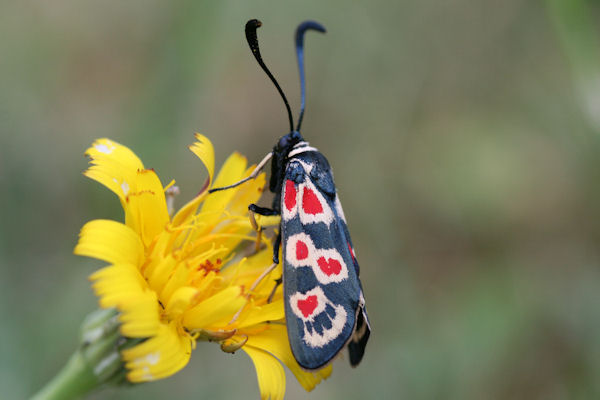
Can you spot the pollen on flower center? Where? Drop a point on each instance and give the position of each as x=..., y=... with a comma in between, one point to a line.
x=210, y=266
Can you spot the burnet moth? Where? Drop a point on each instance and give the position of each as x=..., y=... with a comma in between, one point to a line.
x=324, y=303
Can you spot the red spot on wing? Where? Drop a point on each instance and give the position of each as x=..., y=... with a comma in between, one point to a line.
x=290, y=195
x=308, y=305
x=330, y=266
x=310, y=202
x=301, y=250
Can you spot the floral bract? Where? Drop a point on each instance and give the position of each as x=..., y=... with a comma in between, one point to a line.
x=176, y=280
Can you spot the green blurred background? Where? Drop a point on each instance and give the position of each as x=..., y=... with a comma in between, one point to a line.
x=464, y=137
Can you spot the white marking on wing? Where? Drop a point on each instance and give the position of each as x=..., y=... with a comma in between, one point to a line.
x=315, y=339
x=309, y=195
x=327, y=265
x=321, y=302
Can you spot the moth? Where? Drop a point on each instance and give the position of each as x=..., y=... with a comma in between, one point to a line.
x=324, y=303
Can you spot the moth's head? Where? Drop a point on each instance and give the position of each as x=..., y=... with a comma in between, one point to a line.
x=287, y=142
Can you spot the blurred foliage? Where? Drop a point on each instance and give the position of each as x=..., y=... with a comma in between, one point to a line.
x=464, y=137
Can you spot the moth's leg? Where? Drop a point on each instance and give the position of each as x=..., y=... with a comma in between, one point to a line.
x=277, y=283
x=276, y=245
x=258, y=228
x=261, y=217
x=254, y=209
x=253, y=175
x=267, y=212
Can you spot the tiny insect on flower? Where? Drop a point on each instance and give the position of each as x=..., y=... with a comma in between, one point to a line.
x=174, y=277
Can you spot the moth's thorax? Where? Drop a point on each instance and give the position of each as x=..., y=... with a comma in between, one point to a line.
x=287, y=147
x=301, y=147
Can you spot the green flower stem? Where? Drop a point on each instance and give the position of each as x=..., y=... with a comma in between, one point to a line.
x=96, y=362
x=73, y=381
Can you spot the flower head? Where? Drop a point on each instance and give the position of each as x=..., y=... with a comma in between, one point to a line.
x=176, y=279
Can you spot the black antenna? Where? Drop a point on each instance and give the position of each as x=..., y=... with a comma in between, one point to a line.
x=302, y=28
x=251, y=27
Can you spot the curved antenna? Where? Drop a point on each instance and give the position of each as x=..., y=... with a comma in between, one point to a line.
x=251, y=27
x=302, y=28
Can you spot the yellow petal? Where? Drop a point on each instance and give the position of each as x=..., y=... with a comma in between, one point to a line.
x=106, y=148
x=123, y=287
x=214, y=205
x=189, y=209
x=158, y=271
x=275, y=341
x=180, y=300
x=159, y=356
x=139, y=190
x=178, y=277
x=207, y=284
x=232, y=171
x=245, y=273
x=140, y=315
x=113, y=165
x=216, y=311
x=271, y=378
x=110, y=241
x=269, y=312
x=117, y=283
x=203, y=148
x=248, y=193
x=146, y=210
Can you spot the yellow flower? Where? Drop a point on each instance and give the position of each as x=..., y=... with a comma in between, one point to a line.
x=176, y=280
